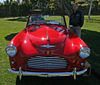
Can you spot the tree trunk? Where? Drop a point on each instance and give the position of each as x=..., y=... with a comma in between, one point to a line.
x=90, y=9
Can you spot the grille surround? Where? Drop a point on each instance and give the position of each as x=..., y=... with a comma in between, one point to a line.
x=43, y=62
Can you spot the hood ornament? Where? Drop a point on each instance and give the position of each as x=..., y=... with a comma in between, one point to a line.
x=48, y=39
x=48, y=46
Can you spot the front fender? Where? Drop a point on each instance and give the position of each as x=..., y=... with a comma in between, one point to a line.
x=72, y=45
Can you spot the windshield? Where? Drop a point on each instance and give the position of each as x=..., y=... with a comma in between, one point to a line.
x=46, y=19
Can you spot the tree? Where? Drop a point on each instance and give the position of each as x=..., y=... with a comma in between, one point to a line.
x=1, y=10
x=14, y=9
x=26, y=1
x=6, y=8
x=11, y=1
x=62, y=5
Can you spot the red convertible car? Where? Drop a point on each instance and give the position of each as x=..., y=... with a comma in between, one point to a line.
x=47, y=48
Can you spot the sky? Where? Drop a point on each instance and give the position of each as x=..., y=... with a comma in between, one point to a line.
x=2, y=1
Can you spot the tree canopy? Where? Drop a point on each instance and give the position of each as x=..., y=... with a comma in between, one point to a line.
x=14, y=8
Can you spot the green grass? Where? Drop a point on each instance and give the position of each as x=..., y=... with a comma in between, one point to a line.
x=9, y=27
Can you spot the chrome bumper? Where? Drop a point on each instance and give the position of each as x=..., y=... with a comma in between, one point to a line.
x=48, y=74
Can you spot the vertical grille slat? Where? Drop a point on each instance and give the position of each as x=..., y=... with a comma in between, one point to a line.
x=43, y=62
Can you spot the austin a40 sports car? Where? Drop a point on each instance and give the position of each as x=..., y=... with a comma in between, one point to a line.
x=47, y=48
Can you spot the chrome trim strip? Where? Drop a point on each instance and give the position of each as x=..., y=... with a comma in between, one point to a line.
x=50, y=74
x=47, y=46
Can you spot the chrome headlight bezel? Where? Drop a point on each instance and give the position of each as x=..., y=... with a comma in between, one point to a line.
x=11, y=50
x=84, y=52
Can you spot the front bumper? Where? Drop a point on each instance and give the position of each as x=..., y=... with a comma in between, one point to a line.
x=48, y=74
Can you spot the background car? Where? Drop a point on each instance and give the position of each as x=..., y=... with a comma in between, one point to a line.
x=47, y=48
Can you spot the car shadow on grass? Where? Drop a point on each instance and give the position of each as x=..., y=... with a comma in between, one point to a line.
x=92, y=39
x=11, y=36
x=21, y=19
x=30, y=80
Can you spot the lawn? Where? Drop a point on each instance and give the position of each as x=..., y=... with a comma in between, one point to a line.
x=9, y=27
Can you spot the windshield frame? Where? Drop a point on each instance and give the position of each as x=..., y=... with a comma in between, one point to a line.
x=49, y=15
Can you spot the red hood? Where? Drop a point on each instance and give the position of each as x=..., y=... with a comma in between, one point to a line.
x=44, y=35
x=47, y=37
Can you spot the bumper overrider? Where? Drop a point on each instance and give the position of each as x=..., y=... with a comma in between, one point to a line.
x=48, y=74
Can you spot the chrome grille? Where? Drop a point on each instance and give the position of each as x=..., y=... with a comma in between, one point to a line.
x=43, y=62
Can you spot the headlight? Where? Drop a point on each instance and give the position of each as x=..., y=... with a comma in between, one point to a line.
x=84, y=52
x=11, y=50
